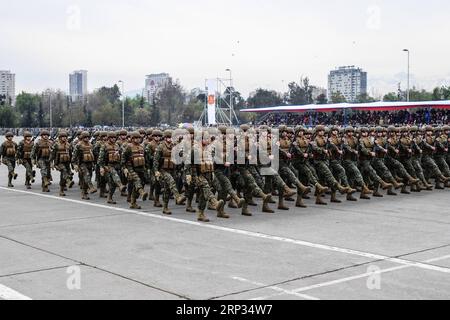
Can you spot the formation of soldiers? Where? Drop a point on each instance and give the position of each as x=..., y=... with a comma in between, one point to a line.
x=183, y=165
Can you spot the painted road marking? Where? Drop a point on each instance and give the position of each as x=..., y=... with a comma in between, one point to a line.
x=7, y=293
x=368, y=255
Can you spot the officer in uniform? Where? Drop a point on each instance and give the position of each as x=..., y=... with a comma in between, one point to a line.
x=8, y=151
x=83, y=162
x=60, y=160
x=164, y=168
x=40, y=155
x=24, y=157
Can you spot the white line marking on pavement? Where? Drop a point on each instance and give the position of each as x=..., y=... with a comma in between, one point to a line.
x=342, y=280
x=247, y=233
x=282, y=291
x=10, y=294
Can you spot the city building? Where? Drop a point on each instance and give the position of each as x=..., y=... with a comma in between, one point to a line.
x=350, y=81
x=8, y=87
x=78, y=84
x=153, y=83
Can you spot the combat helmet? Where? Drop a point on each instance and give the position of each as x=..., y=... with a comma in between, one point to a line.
x=167, y=134
x=9, y=134
x=27, y=134
x=45, y=133
x=62, y=134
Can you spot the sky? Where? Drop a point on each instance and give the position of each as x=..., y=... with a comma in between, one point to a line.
x=266, y=44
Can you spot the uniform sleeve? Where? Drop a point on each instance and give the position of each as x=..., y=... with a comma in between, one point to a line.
x=101, y=157
x=156, y=158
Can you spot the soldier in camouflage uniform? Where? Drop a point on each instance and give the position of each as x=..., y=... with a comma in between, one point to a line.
x=164, y=167
x=441, y=153
x=405, y=157
x=321, y=157
x=60, y=160
x=150, y=149
x=8, y=151
x=446, y=130
x=24, y=158
x=416, y=158
x=287, y=175
x=335, y=144
x=428, y=163
x=133, y=160
x=366, y=149
x=83, y=163
x=391, y=160
x=350, y=162
x=110, y=165
x=101, y=180
x=199, y=163
x=40, y=155
x=300, y=155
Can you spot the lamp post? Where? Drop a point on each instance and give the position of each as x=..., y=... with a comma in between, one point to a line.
x=408, y=90
x=123, y=104
x=231, y=97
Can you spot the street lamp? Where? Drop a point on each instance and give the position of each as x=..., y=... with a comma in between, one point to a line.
x=231, y=97
x=123, y=104
x=407, y=93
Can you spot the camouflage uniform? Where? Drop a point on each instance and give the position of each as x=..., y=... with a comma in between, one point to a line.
x=441, y=154
x=8, y=151
x=24, y=157
x=60, y=160
x=428, y=163
x=83, y=161
x=100, y=179
x=40, y=154
x=150, y=149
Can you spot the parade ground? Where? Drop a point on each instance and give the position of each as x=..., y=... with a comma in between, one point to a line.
x=65, y=248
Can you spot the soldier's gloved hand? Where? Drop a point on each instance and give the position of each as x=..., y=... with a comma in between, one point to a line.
x=189, y=180
x=157, y=175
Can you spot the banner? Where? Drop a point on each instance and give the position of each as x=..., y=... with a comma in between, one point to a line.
x=212, y=88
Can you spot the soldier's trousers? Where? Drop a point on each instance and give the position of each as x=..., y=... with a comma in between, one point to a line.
x=256, y=175
x=204, y=183
x=248, y=183
x=339, y=172
x=382, y=170
x=288, y=176
x=397, y=168
x=442, y=164
x=85, y=173
x=369, y=172
x=430, y=167
x=354, y=175
x=416, y=161
x=306, y=175
x=407, y=163
x=29, y=175
x=44, y=166
x=65, y=174
x=10, y=163
x=325, y=174
x=168, y=183
x=113, y=178
x=223, y=185
x=273, y=181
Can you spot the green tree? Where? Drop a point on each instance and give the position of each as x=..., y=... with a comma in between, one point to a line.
x=322, y=99
x=111, y=94
x=264, y=98
x=337, y=97
x=8, y=117
x=27, y=105
x=364, y=98
x=391, y=97
x=299, y=94
x=171, y=98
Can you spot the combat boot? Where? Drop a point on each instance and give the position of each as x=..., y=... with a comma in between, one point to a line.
x=265, y=207
x=321, y=189
x=350, y=197
x=189, y=206
x=14, y=175
x=412, y=180
x=447, y=184
x=391, y=192
x=299, y=203
x=134, y=205
x=364, y=195
x=157, y=204
x=166, y=210
x=61, y=191
x=342, y=190
x=439, y=186
x=414, y=188
x=84, y=195
x=404, y=191
x=245, y=212
x=27, y=183
x=92, y=189
x=232, y=204
x=151, y=195
x=180, y=200
x=143, y=194
x=10, y=185
x=201, y=216
x=397, y=185
x=240, y=201
x=288, y=193
x=385, y=186
x=122, y=189
x=366, y=189
x=319, y=200
x=303, y=189
x=334, y=199
x=220, y=210
x=252, y=203
x=110, y=200
x=377, y=193
x=102, y=193
x=281, y=205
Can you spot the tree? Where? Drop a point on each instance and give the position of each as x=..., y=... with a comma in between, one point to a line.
x=264, y=98
x=171, y=98
x=322, y=99
x=391, y=97
x=27, y=105
x=112, y=94
x=337, y=97
x=8, y=117
x=299, y=94
x=364, y=98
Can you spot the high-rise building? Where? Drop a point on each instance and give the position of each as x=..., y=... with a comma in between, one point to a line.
x=153, y=83
x=8, y=87
x=78, y=84
x=349, y=81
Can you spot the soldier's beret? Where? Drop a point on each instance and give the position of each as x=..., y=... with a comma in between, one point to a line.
x=168, y=134
x=9, y=134
x=45, y=133
x=27, y=134
x=334, y=128
x=62, y=133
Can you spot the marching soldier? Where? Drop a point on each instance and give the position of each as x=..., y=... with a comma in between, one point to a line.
x=430, y=166
x=133, y=159
x=110, y=168
x=150, y=149
x=8, y=151
x=24, y=158
x=441, y=153
x=60, y=160
x=100, y=179
x=40, y=155
x=83, y=162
